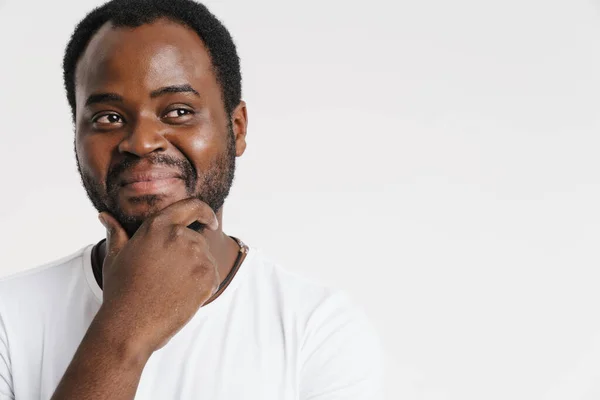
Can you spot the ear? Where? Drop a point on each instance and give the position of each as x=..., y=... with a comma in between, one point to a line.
x=239, y=124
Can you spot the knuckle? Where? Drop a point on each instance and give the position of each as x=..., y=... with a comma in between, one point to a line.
x=204, y=210
x=202, y=243
x=196, y=247
x=199, y=203
x=195, y=204
x=154, y=222
x=177, y=232
x=203, y=268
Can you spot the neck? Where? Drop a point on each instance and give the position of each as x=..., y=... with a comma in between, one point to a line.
x=223, y=248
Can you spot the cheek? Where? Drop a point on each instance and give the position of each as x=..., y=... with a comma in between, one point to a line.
x=203, y=145
x=94, y=157
x=201, y=148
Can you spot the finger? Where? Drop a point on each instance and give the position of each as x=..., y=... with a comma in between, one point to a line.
x=190, y=212
x=116, y=237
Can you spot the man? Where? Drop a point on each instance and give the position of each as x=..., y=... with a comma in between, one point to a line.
x=168, y=306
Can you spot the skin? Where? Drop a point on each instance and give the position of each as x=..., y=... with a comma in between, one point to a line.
x=156, y=148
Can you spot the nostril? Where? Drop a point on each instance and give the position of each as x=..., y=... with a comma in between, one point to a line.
x=141, y=142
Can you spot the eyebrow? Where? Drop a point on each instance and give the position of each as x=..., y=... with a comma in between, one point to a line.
x=106, y=97
x=102, y=98
x=173, y=89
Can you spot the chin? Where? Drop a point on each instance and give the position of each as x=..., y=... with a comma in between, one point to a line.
x=142, y=207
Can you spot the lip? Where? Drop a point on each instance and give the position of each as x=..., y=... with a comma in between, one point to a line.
x=149, y=181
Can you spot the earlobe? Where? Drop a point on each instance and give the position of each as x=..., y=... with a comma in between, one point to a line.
x=240, y=147
x=239, y=123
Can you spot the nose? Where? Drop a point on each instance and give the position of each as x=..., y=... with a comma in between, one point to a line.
x=144, y=137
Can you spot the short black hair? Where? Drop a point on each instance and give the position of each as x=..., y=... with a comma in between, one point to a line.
x=134, y=13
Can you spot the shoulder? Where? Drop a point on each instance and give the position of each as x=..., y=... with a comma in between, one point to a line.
x=53, y=277
x=340, y=352
x=322, y=310
x=293, y=291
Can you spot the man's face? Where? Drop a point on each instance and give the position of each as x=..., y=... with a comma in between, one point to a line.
x=151, y=127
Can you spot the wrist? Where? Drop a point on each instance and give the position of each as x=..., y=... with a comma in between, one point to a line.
x=119, y=341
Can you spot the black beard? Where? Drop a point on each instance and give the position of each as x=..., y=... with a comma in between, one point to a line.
x=213, y=188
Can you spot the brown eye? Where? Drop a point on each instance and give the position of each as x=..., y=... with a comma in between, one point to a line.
x=178, y=112
x=108, y=119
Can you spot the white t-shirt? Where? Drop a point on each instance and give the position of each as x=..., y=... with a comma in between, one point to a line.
x=271, y=335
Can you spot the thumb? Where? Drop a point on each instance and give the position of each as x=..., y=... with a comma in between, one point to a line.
x=116, y=237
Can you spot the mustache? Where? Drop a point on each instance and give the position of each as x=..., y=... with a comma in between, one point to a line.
x=188, y=172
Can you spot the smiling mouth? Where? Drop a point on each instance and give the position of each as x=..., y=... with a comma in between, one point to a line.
x=150, y=186
x=149, y=182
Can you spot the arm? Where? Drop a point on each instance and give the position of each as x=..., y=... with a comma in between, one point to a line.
x=107, y=365
x=145, y=301
x=341, y=353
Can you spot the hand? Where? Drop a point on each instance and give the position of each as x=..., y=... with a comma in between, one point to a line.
x=156, y=281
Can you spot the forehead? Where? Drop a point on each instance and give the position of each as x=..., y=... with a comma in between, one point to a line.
x=153, y=55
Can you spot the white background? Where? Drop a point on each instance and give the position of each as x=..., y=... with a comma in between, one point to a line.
x=436, y=159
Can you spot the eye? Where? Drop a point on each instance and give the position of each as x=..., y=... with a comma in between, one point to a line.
x=178, y=113
x=107, y=119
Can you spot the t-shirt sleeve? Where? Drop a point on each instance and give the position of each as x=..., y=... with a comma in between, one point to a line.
x=6, y=389
x=342, y=357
